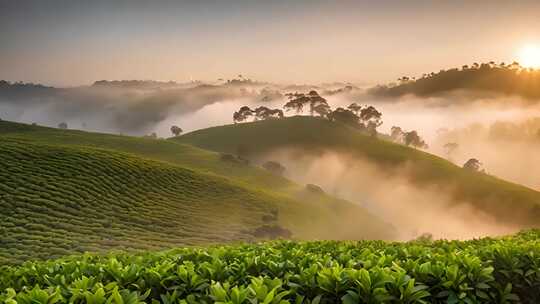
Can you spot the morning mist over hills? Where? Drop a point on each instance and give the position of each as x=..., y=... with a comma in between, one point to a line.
x=269, y=152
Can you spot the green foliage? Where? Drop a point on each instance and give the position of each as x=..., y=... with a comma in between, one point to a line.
x=505, y=270
x=60, y=194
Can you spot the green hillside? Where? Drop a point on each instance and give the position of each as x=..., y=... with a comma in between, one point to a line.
x=65, y=191
x=508, y=202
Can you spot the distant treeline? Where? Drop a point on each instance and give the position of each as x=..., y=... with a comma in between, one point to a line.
x=511, y=79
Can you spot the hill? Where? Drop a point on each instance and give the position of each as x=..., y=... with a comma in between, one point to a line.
x=63, y=192
x=507, y=202
x=488, y=77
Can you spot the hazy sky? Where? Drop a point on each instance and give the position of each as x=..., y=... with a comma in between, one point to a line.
x=76, y=42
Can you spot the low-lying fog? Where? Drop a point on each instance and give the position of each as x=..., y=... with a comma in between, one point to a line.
x=501, y=132
x=413, y=210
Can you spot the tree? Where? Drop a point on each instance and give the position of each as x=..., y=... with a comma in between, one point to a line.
x=355, y=108
x=450, y=148
x=474, y=165
x=344, y=116
x=296, y=102
x=413, y=139
x=243, y=114
x=317, y=104
x=322, y=109
x=264, y=113
x=176, y=130
x=397, y=134
x=274, y=167
x=62, y=125
x=371, y=119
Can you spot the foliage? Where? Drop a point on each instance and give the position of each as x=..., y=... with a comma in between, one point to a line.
x=505, y=270
x=474, y=165
x=176, y=130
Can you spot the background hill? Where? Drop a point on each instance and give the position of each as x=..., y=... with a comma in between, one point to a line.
x=487, y=77
x=506, y=202
x=64, y=191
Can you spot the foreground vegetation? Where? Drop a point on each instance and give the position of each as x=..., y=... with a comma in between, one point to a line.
x=504, y=270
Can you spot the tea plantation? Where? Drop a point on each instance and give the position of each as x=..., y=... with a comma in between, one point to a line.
x=59, y=197
x=505, y=270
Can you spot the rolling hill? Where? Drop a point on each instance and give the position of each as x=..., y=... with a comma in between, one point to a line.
x=507, y=202
x=63, y=192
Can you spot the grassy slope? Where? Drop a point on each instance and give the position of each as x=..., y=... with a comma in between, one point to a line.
x=507, y=201
x=60, y=193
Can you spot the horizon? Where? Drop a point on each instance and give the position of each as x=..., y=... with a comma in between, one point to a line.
x=73, y=43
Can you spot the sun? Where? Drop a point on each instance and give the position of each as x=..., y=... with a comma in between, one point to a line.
x=529, y=57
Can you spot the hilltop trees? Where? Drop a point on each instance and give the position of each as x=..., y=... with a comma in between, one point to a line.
x=344, y=116
x=243, y=114
x=63, y=125
x=176, y=130
x=264, y=113
x=297, y=101
x=365, y=118
x=260, y=113
x=317, y=104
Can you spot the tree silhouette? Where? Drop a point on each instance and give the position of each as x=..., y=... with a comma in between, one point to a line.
x=62, y=125
x=413, y=139
x=317, y=104
x=355, y=108
x=474, y=165
x=264, y=113
x=243, y=114
x=176, y=130
x=343, y=116
x=297, y=101
x=371, y=119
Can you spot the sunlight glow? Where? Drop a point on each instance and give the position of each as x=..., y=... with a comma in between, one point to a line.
x=529, y=57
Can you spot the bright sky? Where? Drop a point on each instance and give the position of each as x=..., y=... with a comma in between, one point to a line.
x=304, y=41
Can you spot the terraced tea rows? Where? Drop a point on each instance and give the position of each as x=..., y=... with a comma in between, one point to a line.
x=58, y=201
x=61, y=199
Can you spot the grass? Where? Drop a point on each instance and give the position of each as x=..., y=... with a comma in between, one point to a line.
x=63, y=192
x=508, y=202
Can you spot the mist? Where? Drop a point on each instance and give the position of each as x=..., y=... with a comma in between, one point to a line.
x=413, y=210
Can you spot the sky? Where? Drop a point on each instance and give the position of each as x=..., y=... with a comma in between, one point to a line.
x=71, y=43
